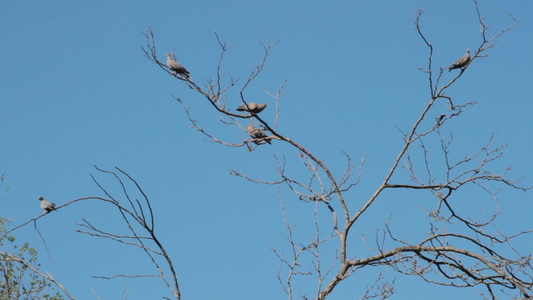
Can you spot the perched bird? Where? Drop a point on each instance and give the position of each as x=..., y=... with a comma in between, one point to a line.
x=461, y=62
x=256, y=133
x=440, y=118
x=176, y=66
x=253, y=108
x=47, y=206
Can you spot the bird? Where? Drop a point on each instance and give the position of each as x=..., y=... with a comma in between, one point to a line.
x=176, y=66
x=47, y=206
x=253, y=108
x=440, y=118
x=461, y=62
x=256, y=133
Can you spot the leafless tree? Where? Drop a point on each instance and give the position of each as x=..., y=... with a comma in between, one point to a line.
x=139, y=219
x=135, y=210
x=457, y=251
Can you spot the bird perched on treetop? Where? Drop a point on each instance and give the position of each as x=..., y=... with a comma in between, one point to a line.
x=461, y=62
x=251, y=107
x=176, y=66
x=47, y=206
x=256, y=133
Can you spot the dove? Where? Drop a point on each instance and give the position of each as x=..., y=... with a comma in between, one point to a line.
x=253, y=108
x=47, y=206
x=256, y=133
x=461, y=62
x=176, y=66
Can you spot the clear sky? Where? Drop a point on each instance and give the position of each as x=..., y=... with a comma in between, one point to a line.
x=76, y=91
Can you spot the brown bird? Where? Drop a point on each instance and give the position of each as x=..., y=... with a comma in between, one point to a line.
x=257, y=133
x=252, y=107
x=461, y=62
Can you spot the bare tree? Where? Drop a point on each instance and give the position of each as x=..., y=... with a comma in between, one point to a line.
x=135, y=210
x=139, y=219
x=457, y=251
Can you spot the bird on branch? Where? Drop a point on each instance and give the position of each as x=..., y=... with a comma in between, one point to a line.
x=176, y=66
x=47, y=206
x=461, y=62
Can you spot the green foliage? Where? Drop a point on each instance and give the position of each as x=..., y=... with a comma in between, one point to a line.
x=17, y=280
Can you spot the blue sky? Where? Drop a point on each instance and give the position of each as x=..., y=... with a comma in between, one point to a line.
x=76, y=91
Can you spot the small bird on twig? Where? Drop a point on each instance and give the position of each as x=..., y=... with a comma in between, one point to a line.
x=253, y=108
x=256, y=133
x=461, y=62
x=47, y=206
x=176, y=66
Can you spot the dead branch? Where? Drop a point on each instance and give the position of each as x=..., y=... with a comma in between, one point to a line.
x=138, y=217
